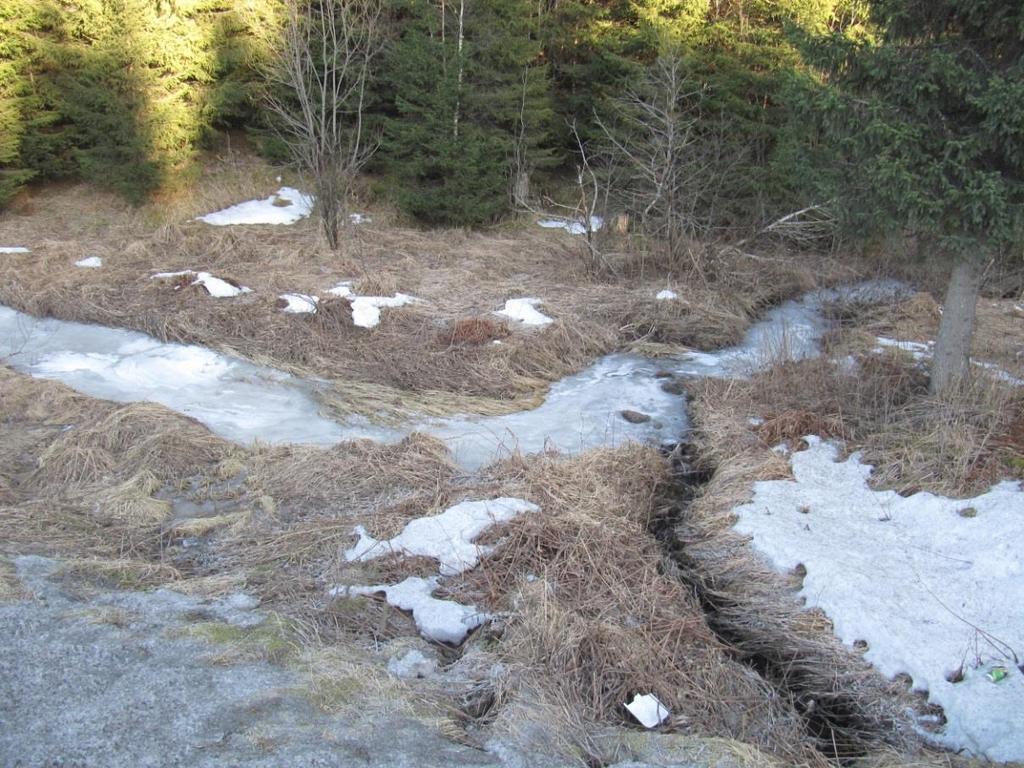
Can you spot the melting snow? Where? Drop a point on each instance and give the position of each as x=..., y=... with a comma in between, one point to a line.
x=359, y=218
x=447, y=537
x=90, y=262
x=215, y=286
x=343, y=288
x=297, y=206
x=923, y=351
x=524, y=311
x=648, y=710
x=299, y=303
x=666, y=295
x=932, y=591
x=443, y=621
x=14, y=249
x=366, y=309
x=572, y=226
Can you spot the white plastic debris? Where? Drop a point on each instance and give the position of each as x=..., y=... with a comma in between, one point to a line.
x=935, y=593
x=524, y=310
x=299, y=303
x=447, y=537
x=90, y=262
x=14, y=249
x=648, y=710
x=286, y=206
x=443, y=621
x=666, y=295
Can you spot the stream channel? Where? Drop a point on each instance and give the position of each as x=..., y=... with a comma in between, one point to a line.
x=245, y=402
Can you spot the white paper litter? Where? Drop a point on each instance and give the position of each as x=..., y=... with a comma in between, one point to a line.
x=931, y=591
x=443, y=621
x=14, y=249
x=299, y=206
x=524, y=311
x=447, y=537
x=666, y=295
x=299, y=303
x=648, y=710
x=90, y=262
x=572, y=226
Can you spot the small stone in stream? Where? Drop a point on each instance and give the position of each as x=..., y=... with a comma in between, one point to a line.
x=663, y=374
x=634, y=417
x=657, y=425
x=673, y=387
x=967, y=512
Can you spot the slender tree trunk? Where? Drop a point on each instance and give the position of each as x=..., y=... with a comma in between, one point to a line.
x=953, y=346
x=458, y=87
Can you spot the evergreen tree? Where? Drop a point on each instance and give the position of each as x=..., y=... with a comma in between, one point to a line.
x=469, y=90
x=929, y=122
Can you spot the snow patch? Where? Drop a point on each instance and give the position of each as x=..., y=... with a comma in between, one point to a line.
x=447, y=537
x=217, y=287
x=443, y=621
x=90, y=262
x=524, y=310
x=924, y=351
x=14, y=249
x=299, y=303
x=342, y=289
x=286, y=206
x=648, y=710
x=366, y=309
x=935, y=591
x=359, y=218
x=572, y=226
x=666, y=295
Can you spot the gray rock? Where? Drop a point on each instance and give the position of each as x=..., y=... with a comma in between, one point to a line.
x=76, y=690
x=634, y=417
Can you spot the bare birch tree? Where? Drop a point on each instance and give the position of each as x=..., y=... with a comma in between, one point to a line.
x=317, y=95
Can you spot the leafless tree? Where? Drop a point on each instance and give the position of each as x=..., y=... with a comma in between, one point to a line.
x=670, y=164
x=317, y=93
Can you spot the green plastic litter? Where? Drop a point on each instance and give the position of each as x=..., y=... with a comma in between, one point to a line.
x=997, y=674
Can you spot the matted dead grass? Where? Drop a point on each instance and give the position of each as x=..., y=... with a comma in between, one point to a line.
x=591, y=610
x=423, y=356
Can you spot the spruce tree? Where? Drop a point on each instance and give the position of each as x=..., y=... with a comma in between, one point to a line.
x=468, y=89
x=928, y=119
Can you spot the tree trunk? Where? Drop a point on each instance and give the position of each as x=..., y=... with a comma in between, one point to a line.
x=953, y=347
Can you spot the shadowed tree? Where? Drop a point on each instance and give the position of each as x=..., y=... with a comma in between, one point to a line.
x=929, y=118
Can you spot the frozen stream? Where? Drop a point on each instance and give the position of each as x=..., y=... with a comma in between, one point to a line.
x=244, y=402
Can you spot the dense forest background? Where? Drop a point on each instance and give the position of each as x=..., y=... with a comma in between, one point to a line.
x=127, y=93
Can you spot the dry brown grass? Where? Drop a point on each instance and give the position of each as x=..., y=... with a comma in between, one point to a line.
x=424, y=354
x=596, y=614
